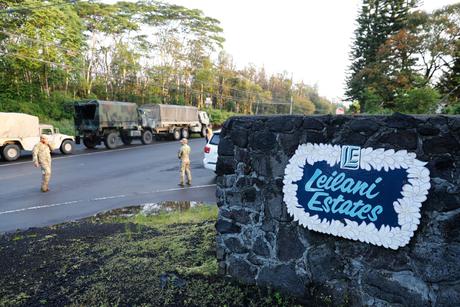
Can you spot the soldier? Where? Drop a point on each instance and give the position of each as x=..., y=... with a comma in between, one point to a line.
x=42, y=157
x=208, y=133
x=184, y=156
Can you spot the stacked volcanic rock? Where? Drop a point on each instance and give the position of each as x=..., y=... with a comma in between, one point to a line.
x=259, y=243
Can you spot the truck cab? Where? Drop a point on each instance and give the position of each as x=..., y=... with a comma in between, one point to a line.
x=203, y=117
x=57, y=140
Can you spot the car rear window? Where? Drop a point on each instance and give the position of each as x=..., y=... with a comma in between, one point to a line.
x=215, y=139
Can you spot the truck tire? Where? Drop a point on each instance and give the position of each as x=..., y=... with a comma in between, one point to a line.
x=147, y=137
x=89, y=143
x=67, y=147
x=126, y=140
x=185, y=133
x=110, y=140
x=11, y=152
x=203, y=131
x=176, y=134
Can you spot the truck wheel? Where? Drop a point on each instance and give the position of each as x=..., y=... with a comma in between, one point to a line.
x=126, y=140
x=67, y=147
x=11, y=152
x=90, y=144
x=176, y=134
x=185, y=133
x=203, y=131
x=110, y=141
x=147, y=138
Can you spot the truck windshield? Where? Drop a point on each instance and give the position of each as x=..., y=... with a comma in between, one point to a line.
x=85, y=111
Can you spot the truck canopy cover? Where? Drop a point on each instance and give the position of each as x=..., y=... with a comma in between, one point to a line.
x=102, y=114
x=173, y=113
x=18, y=125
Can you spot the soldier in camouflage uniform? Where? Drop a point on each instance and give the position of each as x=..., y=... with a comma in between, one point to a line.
x=42, y=157
x=184, y=156
x=209, y=133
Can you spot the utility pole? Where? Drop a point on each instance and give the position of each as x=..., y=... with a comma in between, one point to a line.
x=292, y=99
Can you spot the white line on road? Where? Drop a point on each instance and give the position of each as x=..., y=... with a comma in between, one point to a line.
x=41, y=207
x=101, y=198
x=109, y=197
x=188, y=188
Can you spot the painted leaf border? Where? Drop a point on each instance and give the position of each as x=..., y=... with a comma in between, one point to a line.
x=407, y=208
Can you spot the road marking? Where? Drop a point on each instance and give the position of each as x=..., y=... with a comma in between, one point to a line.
x=41, y=207
x=187, y=188
x=108, y=197
x=102, y=198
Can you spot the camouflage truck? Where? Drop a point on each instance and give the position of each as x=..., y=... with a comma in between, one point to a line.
x=174, y=121
x=19, y=131
x=98, y=121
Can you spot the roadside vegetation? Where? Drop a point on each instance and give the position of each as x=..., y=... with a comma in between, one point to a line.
x=123, y=258
x=58, y=53
x=404, y=59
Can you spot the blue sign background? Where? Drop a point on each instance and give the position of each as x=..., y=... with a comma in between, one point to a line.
x=389, y=190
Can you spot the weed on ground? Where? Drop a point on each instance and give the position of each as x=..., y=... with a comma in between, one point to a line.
x=123, y=258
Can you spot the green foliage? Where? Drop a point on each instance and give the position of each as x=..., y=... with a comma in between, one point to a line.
x=98, y=50
x=417, y=100
x=218, y=117
x=193, y=215
x=372, y=102
x=396, y=53
x=230, y=106
x=354, y=108
x=453, y=109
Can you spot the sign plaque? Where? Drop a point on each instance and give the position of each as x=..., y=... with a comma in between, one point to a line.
x=365, y=194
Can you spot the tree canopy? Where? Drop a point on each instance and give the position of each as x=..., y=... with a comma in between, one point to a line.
x=404, y=59
x=143, y=52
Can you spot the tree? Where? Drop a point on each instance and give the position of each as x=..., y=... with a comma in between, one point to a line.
x=377, y=21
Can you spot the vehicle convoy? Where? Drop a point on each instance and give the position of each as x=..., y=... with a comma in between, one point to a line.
x=20, y=131
x=98, y=121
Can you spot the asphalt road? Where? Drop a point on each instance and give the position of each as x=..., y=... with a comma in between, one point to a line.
x=92, y=181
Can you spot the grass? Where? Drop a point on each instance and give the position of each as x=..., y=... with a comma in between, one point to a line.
x=120, y=259
x=193, y=215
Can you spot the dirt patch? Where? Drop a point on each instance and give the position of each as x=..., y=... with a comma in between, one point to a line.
x=121, y=258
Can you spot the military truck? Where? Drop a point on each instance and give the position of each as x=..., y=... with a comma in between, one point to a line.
x=175, y=121
x=98, y=121
x=20, y=131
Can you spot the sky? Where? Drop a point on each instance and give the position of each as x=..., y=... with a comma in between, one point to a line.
x=309, y=39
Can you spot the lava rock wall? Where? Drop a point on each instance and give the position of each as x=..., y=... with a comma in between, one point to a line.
x=259, y=243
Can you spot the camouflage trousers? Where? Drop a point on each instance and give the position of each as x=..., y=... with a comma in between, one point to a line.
x=185, y=169
x=46, y=175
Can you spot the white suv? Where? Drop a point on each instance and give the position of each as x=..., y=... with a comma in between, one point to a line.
x=210, y=151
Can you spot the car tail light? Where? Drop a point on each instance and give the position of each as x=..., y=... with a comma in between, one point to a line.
x=207, y=149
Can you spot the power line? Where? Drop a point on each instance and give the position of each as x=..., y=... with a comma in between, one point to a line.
x=31, y=8
x=79, y=68
x=152, y=82
x=39, y=60
x=66, y=49
x=157, y=83
x=21, y=36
